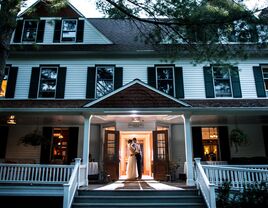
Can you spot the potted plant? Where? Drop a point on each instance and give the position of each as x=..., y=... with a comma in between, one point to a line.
x=238, y=138
x=34, y=138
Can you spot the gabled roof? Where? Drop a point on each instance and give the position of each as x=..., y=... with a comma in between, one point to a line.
x=137, y=94
x=40, y=9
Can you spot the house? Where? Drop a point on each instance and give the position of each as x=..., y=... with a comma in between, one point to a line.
x=88, y=85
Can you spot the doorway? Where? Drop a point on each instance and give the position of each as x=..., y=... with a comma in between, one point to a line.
x=144, y=138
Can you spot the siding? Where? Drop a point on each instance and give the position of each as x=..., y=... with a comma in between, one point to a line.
x=93, y=36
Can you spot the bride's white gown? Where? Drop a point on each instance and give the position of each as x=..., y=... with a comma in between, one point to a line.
x=132, y=171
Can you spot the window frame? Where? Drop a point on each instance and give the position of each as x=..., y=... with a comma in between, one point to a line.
x=230, y=82
x=39, y=83
x=96, y=78
x=23, y=30
x=173, y=77
x=76, y=28
x=265, y=78
x=7, y=68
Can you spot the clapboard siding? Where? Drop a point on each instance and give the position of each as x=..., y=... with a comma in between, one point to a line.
x=49, y=31
x=93, y=36
x=23, y=81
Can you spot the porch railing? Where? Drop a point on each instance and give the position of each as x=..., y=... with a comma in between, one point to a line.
x=35, y=173
x=238, y=176
x=202, y=182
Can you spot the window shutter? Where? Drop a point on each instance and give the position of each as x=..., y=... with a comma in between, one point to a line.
x=18, y=32
x=224, y=143
x=57, y=31
x=118, y=77
x=179, y=88
x=11, y=83
x=236, y=83
x=34, y=82
x=80, y=31
x=208, y=79
x=45, y=147
x=91, y=82
x=3, y=140
x=61, y=82
x=197, y=142
x=72, y=143
x=40, y=31
x=259, y=81
x=151, y=76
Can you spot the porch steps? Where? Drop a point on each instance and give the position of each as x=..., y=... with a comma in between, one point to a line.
x=138, y=198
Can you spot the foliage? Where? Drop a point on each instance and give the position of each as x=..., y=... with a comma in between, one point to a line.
x=254, y=195
x=34, y=138
x=238, y=138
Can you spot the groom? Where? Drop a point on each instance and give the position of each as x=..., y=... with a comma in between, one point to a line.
x=138, y=156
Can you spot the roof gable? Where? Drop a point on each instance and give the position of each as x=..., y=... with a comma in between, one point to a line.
x=137, y=94
x=41, y=9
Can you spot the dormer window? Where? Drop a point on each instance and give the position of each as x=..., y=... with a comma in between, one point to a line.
x=69, y=28
x=30, y=31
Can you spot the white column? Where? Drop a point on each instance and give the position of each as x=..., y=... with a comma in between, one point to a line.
x=188, y=150
x=87, y=121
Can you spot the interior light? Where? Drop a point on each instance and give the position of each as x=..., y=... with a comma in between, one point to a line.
x=11, y=120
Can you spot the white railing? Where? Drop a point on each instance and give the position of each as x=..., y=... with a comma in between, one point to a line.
x=35, y=173
x=207, y=188
x=238, y=176
x=71, y=187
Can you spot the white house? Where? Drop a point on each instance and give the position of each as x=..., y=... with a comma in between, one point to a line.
x=88, y=85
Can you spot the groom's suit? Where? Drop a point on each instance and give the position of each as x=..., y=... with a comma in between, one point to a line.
x=138, y=158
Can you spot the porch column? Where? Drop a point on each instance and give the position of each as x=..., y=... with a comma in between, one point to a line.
x=87, y=121
x=188, y=149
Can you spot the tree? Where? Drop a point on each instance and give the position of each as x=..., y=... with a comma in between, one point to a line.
x=202, y=28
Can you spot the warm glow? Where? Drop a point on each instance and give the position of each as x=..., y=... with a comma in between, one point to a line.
x=3, y=88
x=11, y=120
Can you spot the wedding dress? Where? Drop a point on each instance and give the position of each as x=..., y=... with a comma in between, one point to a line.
x=132, y=171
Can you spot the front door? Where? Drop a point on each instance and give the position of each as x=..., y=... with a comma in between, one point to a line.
x=111, y=154
x=160, y=151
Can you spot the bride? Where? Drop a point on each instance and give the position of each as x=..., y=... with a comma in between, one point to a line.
x=132, y=171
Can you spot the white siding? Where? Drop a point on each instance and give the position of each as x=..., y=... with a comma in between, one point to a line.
x=49, y=31
x=23, y=81
x=93, y=36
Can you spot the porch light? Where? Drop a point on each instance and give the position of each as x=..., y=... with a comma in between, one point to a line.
x=60, y=136
x=136, y=120
x=11, y=120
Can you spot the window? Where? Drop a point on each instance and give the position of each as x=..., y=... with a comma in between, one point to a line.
x=104, y=81
x=165, y=81
x=48, y=82
x=222, y=83
x=30, y=31
x=69, y=30
x=210, y=143
x=265, y=78
x=4, y=83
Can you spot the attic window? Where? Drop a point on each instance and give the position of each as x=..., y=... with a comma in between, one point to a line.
x=30, y=30
x=69, y=28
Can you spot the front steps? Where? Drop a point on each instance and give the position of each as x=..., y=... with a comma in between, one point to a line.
x=138, y=198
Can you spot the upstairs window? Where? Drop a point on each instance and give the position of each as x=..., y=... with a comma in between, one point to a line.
x=48, y=82
x=4, y=83
x=30, y=31
x=165, y=81
x=222, y=82
x=69, y=28
x=265, y=78
x=104, y=80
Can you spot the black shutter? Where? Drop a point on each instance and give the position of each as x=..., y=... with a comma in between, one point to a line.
x=197, y=142
x=179, y=88
x=40, y=31
x=236, y=83
x=3, y=140
x=57, y=31
x=18, y=32
x=91, y=82
x=118, y=77
x=151, y=76
x=72, y=143
x=265, y=138
x=224, y=143
x=11, y=83
x=61, y=82
x=80, y=31
x=259, y=81
x=45, y=147
x=208, y=79
x=34, y=82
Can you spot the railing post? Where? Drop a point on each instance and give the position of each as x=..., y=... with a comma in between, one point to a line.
x=212, y=196
x=78, y=162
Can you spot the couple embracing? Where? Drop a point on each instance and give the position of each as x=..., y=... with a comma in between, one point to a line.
x=134, y=160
